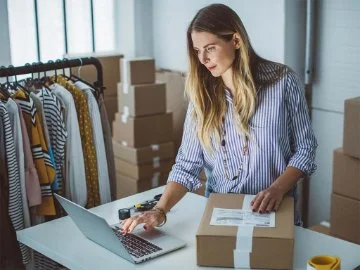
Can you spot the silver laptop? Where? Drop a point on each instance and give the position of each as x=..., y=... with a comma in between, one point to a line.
x=135, y=247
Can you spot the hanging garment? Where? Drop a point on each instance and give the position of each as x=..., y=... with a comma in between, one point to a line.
x=55, y=186
x=33, y=191
x=108, y=147
x=13, y=113
x=57, y=132
x=75, y=180
x=44, y=166
x=103, y=174
x=91, y=172
x=15, y=199
x=10, y=255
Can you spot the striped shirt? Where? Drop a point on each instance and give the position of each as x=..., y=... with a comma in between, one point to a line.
x=281, y=136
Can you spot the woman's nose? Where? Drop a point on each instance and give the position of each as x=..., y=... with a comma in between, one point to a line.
x=204, y=58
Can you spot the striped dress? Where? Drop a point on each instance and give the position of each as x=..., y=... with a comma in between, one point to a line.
x=281, y=136
x=42, y=160
x=57, y=132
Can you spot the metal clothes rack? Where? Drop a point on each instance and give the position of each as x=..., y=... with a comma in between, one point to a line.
x=58, y=64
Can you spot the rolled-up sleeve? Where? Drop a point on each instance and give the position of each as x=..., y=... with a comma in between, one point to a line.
x=189, y=160
x=302, y=138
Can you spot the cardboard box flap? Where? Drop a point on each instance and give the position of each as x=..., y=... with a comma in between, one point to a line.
x=284, y=218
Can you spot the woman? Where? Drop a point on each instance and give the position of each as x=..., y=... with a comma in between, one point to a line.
x=247, y=122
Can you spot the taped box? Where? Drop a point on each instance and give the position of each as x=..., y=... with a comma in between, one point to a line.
x=142, y=99
x=231, y=235
x=137, y=70
x=144, y=170
x=126, y=186
x=142, y=131
x=346, y=175
x=345, y=218
x=143, y=155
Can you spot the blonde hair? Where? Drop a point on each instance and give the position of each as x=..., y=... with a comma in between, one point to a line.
x=206, y=92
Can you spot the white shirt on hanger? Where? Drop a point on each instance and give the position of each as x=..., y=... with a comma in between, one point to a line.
x=103, y=173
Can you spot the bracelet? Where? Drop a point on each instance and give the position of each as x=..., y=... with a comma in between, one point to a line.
x=162, y=211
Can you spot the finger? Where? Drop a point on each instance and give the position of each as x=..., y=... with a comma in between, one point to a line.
x=277, y=205
x=258, y=201
x=271, y=205
x=138, y=220
x=127, y=223
x=264, y=204
x=253, y=200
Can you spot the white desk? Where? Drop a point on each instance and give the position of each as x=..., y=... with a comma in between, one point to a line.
x=61, y=240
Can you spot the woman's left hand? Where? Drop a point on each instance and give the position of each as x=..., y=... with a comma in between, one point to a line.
x=267, y=200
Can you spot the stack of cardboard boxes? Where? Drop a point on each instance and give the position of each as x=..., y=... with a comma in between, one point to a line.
x=345, y=198
x=142, y=129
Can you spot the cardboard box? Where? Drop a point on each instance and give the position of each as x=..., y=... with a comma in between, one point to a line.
x=142, y=99
x=143, y=155
x=111, y=109
x=320, y=229
x=346, y=175
x=351, y=142
x=111, y=70
x=143, y=131
x=126, y=186
x=143, y=171
x=345, y=218
x=137, y=70
x=175, y=100
x=216, y=244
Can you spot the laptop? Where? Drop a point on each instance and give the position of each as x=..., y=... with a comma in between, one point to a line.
x=135, y=247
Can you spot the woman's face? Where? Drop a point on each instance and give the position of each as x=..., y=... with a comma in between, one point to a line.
x=216, y=54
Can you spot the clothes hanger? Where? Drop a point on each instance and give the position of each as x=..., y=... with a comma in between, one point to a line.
x=78, y=77
x=46, y=80
x=16, y=83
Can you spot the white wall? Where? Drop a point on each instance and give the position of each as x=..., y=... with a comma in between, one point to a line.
x=295, y=34
x=264, y=21
x=337, y=77
x=5, y=56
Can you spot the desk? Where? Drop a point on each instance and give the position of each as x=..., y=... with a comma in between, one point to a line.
x=63, y=242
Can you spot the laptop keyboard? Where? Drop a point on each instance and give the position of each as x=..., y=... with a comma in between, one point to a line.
x=137, y=247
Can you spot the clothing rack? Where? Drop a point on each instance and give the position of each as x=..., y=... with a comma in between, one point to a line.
x=58, y=64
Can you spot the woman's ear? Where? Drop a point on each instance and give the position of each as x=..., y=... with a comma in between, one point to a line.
x=236, y=40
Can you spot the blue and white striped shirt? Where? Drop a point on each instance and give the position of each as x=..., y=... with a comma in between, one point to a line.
x=281, y=135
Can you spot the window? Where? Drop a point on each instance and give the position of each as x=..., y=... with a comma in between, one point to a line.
x=43, y=30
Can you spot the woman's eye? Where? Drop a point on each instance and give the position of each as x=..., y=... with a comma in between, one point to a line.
x=210, y=49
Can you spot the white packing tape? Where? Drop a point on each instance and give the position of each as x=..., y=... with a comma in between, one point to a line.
x=155, y=147
x=244, y=239
x=155, y=179
x=124, y=71
x=247, y=202
x=124, y=143
x=124, y=117
x=156, y=162
x=125, y=87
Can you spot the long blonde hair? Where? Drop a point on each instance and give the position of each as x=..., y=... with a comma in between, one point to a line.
x=207, y=93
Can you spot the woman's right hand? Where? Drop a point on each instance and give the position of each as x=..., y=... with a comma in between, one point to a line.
x=150, y=219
